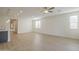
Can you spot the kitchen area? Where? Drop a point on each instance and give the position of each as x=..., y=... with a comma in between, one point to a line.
x=4, y=31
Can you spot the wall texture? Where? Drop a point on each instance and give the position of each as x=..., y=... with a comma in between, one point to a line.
x=58, y=25
x=4, y=24
x=24, y=25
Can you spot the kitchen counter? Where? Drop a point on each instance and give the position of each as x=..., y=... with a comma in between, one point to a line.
x=4, y=36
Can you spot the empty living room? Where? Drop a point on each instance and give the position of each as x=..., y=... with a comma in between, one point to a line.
x=39, y=28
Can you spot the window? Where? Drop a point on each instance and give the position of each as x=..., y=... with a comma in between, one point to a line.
x=37, y=24
x=73, y=22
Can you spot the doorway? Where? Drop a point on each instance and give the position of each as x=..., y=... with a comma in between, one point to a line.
x=14, y=26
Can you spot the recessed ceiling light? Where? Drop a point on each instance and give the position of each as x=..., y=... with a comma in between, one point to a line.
x=18, y=14
x=8, y=21
x=21, y=11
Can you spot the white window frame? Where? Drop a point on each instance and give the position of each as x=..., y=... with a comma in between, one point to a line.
x=73, y=22
x=37, y=24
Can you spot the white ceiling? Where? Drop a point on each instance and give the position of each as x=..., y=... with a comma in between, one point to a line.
x=30, y=12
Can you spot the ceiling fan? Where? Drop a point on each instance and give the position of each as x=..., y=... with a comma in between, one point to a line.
x=48, y=9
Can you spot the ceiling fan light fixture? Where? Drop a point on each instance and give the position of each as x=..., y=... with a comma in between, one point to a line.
x=46, y=11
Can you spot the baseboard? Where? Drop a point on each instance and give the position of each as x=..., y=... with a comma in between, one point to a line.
x=24, y=32
x=57, y=36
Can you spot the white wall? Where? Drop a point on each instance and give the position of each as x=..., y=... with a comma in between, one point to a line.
x=24, y=25
x=58, y=25
x=4, y=24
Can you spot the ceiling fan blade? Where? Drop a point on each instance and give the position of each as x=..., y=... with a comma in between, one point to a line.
x=51, y=8
x=50, y=11
x=45, y=7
